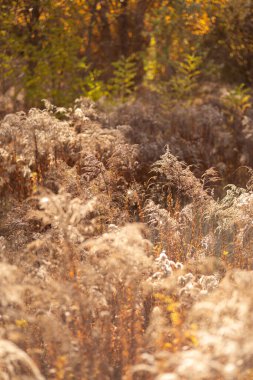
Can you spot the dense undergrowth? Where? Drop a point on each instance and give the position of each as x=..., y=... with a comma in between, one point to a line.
x=126, y=241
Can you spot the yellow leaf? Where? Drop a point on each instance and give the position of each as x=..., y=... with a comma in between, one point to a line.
x=21, y=323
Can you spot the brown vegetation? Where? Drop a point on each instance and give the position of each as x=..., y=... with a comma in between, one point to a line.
x=122, y=258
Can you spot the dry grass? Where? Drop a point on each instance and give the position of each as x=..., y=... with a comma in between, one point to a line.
x=120, y=258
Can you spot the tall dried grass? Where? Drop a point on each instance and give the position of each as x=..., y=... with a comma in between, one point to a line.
x=118, y=259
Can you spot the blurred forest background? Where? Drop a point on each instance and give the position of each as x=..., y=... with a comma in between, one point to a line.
x=64, y=49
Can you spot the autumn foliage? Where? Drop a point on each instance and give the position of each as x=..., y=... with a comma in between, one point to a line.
x=126, y=190
x=61, y=50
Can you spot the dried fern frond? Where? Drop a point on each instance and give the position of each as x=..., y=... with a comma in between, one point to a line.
x=15, y=364
x=180, y=177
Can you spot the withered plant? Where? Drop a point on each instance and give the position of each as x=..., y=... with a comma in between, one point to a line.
x=126, y=242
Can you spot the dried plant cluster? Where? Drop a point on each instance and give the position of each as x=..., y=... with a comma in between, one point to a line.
x=122, y=256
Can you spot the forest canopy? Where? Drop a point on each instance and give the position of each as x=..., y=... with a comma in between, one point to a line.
x=63, y=49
